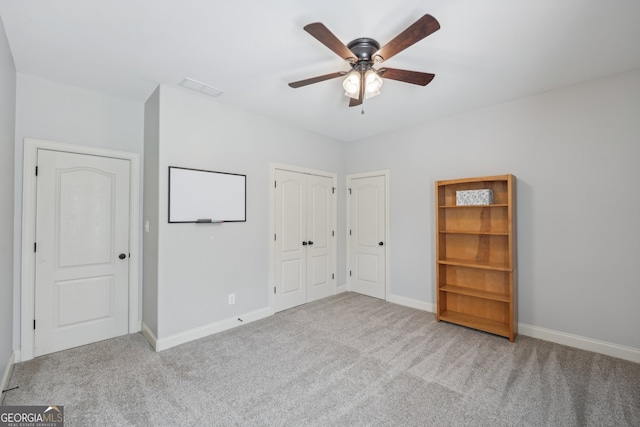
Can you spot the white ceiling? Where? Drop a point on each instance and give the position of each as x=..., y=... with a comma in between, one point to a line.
x=486, y=52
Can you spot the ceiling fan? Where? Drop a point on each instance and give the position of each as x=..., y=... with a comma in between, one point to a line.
x=363, y=80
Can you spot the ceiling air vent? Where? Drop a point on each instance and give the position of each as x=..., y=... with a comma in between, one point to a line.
x=201, y=87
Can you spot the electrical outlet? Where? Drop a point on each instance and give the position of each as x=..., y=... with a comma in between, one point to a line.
x=232, y=299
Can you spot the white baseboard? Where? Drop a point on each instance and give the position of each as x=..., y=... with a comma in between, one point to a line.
x=203, y=331
x=411, y=302
x=583, y=343
x=149, y=335
x=558, y=337
x=4, y=384
x=341, y=288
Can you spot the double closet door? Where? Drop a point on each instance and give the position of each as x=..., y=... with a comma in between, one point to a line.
x=304, y=231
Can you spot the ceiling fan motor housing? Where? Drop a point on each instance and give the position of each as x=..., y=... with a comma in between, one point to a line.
x=364, y=48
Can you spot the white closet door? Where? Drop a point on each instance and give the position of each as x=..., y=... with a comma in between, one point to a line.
x=291, y=233
x=303, y=245
x=319, y=235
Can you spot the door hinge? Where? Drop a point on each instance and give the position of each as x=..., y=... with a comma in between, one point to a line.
x=349, y=232
x=349, y=191
x=333, y=233
x=34, y=323
x=275, y=184
x=274, y=289
x=34, y=246
x=333, y=276
x=349, y=273
x=333, y=190
x=36, y=171
x=275, y=237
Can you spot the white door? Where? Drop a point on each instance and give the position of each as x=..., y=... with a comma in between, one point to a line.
x=291, y=239
x=367, y=222
x=82, y=254
x=319, y=236
x=303, y=228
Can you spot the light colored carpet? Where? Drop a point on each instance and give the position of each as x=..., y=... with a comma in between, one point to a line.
x=348, y=360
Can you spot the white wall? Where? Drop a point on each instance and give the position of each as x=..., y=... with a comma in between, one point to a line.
x=199, y=265
x=63, y=113
x=7, y=129
x=575, y=154
x=151, y=210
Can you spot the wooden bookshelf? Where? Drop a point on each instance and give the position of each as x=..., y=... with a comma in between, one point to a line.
x=475, y=256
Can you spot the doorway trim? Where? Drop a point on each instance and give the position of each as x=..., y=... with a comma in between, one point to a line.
x=272, y=225
x=387, y=245
x=27, y=282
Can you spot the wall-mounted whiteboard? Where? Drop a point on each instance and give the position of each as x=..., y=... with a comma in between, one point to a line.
x=206, y=196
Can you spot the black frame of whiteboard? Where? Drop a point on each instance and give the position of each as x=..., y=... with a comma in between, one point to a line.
x=206, y=171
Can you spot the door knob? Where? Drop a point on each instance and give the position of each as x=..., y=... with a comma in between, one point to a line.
x=122, y=256
x=310, y=243
x=380, y=244
x=304, y=243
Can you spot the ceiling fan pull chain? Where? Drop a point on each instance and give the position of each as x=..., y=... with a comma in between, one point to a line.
x=362, y=112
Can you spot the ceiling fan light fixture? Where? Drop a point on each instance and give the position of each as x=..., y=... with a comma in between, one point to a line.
x=371, y=93
x=351, y=85
x=372, y=84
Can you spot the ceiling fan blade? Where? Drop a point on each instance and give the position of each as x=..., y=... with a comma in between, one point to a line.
x=317, y=79
x=354, y=102
x=327, y=38
x=413, y=34
x=413, y=77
